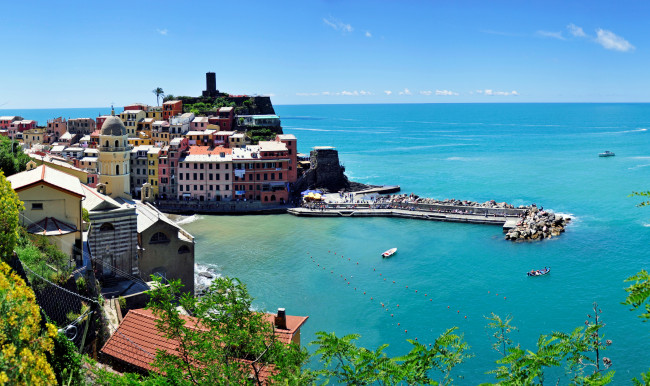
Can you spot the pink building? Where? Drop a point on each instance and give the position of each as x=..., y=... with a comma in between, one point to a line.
x=199, y=124
x=5, y=121
x=205, y=174
x=16, y=128
x=56, y=127
x=168, y=167
x=225, y=118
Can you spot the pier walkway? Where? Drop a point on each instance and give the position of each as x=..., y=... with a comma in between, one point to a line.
x=506, y=218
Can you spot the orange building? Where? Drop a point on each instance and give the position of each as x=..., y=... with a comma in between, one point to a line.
x=172, y=108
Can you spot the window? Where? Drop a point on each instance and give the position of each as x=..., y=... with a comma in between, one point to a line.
x=279, y=176
x=250, y=177
x=159, y=238
x=195, y=166
x=210, y=176
x=201, y=166
x=37, y=206
x=266, y=177
x=194, y=175
x=180, y=176
x=184, y=249
x=227, y=177
x=107, y=226
x=180, y=188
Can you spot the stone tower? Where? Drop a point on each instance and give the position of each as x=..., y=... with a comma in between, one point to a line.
x=114, y=157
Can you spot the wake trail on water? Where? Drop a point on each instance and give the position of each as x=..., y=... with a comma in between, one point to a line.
x=189, y=219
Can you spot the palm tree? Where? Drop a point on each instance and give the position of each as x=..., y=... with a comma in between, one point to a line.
x=159, y=93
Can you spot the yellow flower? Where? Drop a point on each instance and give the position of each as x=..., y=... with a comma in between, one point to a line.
x=51, y=330
x=9, y=350
x=3, y=377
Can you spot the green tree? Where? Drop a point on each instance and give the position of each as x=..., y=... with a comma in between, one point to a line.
x=10, y=207
x=159, y=94
x=502, y=329
x=227, y=343
x=12, y=157
x=639, y=293
x=353, y=365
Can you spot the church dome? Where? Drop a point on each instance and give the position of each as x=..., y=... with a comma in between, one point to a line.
x=113, y=126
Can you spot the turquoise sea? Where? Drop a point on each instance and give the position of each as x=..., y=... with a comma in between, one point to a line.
x=519, y=153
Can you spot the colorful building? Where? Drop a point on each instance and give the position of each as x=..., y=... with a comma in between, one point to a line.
x=205, y=174
x=55, y=128
x=130, y=118
x=160, y=133
x=168, y=167
x=139, y=168
x=152, y=169
x=172, y=108
x=261, y=172
x=5, y=121
x=81, y=126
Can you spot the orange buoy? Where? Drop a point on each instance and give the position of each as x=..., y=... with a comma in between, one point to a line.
x=407, y=286
x=384, y=279
x=380, y=274
x=364, y=292
x=406, y=331
x=430, y=300
x=398, y=324
x=425, y=294
x=447, y=306
x=370, y=298
x=393, y=281
x=504, y=298
x=458, y=311
x=416, y=291
x=398, y=305
x=465, y=316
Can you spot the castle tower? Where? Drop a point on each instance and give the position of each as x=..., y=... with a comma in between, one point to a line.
x=113, y=159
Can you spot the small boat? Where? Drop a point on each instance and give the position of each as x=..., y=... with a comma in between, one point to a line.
x=606, y=153
x=539, y=272
x=389, y=253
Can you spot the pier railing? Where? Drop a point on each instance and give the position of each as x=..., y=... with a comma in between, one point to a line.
x=434, y=208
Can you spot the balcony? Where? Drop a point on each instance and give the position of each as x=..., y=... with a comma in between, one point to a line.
x=110, y=148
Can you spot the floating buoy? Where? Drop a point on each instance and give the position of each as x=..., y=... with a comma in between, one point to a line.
x=504, y=298
x=373, y=269
x=384, y=279
x=416, y=291
x=465, y=316
x=407, y=286
x=364, y=292
x=357, y=263
x=497, y=294
x=398, y=324
x=398, y=305
x=425, y=294
x=370, y=298
x=355, y=288
x=393, y=281
x=406, y=331
x=380, y=274
x=458, y=311
x=447, y=306
x=488, y=291
x=348, y=283
x=430, y=300
x=335, y=253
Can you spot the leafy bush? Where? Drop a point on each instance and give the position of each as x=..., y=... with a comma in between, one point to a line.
x=24, y=344
x=66, y=361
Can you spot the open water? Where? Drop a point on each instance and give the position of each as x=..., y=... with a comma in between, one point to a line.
x=519, y=153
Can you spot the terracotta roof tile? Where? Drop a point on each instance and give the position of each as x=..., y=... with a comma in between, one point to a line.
x=137, y=339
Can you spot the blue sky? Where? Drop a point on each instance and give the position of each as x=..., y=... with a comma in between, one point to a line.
x=90, y=54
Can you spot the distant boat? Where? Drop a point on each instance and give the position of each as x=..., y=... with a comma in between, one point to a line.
x=389, y=253
x=606, y=153
x=539, y=272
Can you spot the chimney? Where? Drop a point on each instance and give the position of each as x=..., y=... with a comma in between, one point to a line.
x=281, y=319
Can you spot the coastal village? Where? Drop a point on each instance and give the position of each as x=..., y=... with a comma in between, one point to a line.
x=104, y=190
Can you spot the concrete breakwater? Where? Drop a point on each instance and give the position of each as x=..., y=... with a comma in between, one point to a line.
x=519, y=224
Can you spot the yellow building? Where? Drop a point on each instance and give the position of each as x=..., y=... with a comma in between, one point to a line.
x=137, y=141
x=33, y=136
x=113, y=160
x=130, y=118
x=52, y=206
x=157, y=115
x=152, y=169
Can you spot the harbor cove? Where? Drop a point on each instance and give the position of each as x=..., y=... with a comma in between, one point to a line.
x=454, y=274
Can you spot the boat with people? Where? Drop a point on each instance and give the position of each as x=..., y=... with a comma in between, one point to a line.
x=389, y=253
x=606, y=153
x=539, y=272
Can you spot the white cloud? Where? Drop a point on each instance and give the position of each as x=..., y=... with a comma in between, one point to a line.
x=550, y=34
x=307, y=93
x=576, y=31
x=388, y=92
x=446, y=93
x=611, y=41
x=362, y=92
x=498, y=93
x=368, y=34
x=406, y=92
x=338, y=25
x=349, y=93
x=162, y=31
x=426, y=92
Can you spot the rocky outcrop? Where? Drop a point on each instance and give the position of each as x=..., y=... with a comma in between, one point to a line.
x=326, y=173
x=537, y=225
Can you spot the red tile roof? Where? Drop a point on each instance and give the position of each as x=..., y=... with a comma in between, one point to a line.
x=137, y=339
